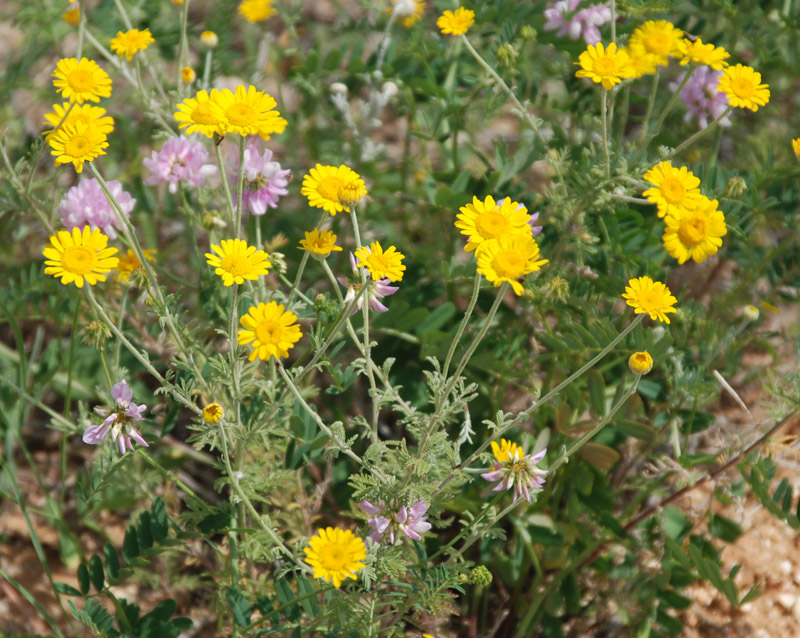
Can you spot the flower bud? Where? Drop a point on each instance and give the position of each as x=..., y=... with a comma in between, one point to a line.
x=528, y=33
x=481, y=576
x=213, y=413
x=209, y=39
x=352, y=192
x=339, y=87
x=506, y=54
x=640, y=362
x=750, y=312
x=188, y=75
x=389, y=89
x=95, y=334
x=734, y=187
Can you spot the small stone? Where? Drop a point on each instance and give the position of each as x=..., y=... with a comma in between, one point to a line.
x=787, y=601
x=785, y=567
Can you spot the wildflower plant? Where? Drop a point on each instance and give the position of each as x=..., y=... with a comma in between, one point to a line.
x=388, y=399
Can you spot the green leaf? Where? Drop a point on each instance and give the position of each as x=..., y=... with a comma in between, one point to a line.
x=143, y=534
x=240, y=607
x=597, y=392
x=83, y=578
x=159, y=523
x=437, y=318
x=220, y=521
x=130, y=546
x=96, y=572
x=68, y=590
x=724, y=528
x=600, y=456
x=112, y=560
x=332, y=60
x=544, y=536
x=635, y=429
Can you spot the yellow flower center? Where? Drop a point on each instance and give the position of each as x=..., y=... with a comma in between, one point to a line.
x=328, y=188
x=80, y=80
x=202, y=114
x=649, y=300
x=334, y=557
x=672, y=190
x=604, y=65
x=78, y=146
x=657, y=43
x=509, y=264
x=492, y=224
x=269, y=331
x=78, y=260
x=241, y=115
x=379, y=263
x=742, y=87
x=236, y=265
x=692, y=230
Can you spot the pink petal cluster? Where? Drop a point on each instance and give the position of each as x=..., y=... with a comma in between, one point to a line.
x=702, y=98
x=179, y=160
x=264, y=180
x=86, y=203
x=564, y=18
x=518, y=472
x=408, y=520
x=119, y=421
x=377, y=290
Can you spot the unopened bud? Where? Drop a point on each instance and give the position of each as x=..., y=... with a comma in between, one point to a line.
x=640, y=362
x=95, y=334
x=735, y=187
x=339, y=87
x=528, y=33
x=209, y=39
x=750, y=312
x=188, y=75
x=506, y=55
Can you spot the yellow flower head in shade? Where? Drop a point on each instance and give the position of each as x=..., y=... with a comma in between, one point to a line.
x=796, y=147
x=380, y=264
x=508, y=259
x=77, y=144
x=322, y=185
x=695, y=233
x=72, y=16
x=642, y=64
x=696, y=52
x=129, y=43
x=640, y=363
x=657, y=39
x=320, y=243
x=94, y=116
x=352, y=192
x=407, y=12
x=188, y=75
x=456, y=22
x=335, y=554
x=650, y=297
x=235, y=261
x=674, y=189
x=482, y=220
x=213, y=413
x=129, y=263
x=256, y=10
x=247, y=111
x=81, y=81
x=269, y=330
x=78, y=256
x=605, y=65
x=195, y=114
x=742, y=85
x=506, y=450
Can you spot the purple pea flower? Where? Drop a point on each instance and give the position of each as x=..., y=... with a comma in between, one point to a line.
x=377, y=290
x=264, y=180
x=86, y=203
x=119, y=422
x=564, y=18
x=412, y=521
x=702, y=98
x=408, y=520
x=179, y=160
x=515, y=470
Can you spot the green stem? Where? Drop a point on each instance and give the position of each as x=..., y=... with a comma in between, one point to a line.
x=182, y=48
x=81, y=28
x=650, y=103
x=239, y=188
x=604, y=117
x=224, y=178
x=476, y=288
x=698, y=135
x=522, y=110
x=207, y=70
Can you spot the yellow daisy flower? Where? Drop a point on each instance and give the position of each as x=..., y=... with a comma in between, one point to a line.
x=72, y=16
x=605, y=65
x=188, y=75
x=256, y=10
x=508, y=259
x=129, y=43
x=195, y=114
x=352, y=192
x=79, y=256
x=695, y=233
x=656, y=38
x=77, y=144
x=335, y=554
x=129, y=263
x=380, y=264
x=796, y=147
x=248, y=111
x=456, y=22
x=640, y=363
x=408, y=12
x=696, y=52
x=642, y=64
x=675, y=189
x=482, y=220
x=81, y=81
x=650, y=297
x=506, y=450
x=213, y=413
x=322, y=184
x=742, y=85
x=320, y=243
x=88, y=114
x=269, y=330
x=236, y=261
